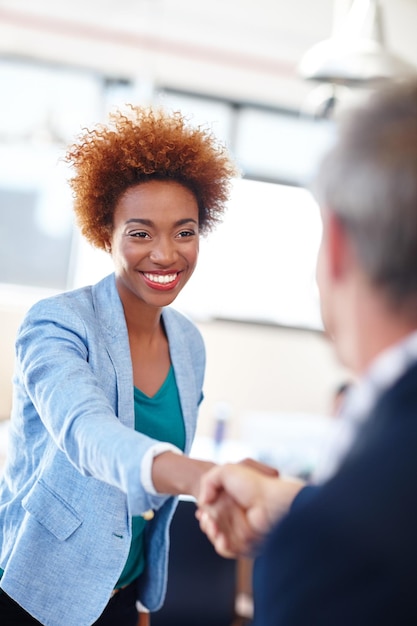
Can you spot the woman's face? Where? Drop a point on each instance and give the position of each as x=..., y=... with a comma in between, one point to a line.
x=155, y=241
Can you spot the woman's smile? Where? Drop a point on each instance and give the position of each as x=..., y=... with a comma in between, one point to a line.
x=162, y=281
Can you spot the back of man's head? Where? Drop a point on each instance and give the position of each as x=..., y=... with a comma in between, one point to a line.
x=369, y=179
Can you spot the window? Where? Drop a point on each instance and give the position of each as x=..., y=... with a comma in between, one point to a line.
x=260, y=264
x=43, y=108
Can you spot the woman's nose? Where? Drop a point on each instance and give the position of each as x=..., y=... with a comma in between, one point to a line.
x=163, y=252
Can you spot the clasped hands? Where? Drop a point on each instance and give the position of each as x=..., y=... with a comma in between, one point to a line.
x=239, y=503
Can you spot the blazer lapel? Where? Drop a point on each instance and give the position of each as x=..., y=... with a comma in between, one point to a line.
x=184, y=373
x=111, y=320
x=110, y=317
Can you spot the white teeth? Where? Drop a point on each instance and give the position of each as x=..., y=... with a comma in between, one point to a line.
x=161, y=279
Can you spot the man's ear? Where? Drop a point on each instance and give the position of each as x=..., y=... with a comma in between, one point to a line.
x=339, y=246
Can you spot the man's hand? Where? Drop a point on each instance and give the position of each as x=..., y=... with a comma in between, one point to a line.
x=226, y=525
x=239, y=503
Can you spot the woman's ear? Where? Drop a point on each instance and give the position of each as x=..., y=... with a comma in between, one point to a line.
x=107, y=241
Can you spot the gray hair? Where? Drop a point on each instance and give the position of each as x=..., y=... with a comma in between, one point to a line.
x=369, y=180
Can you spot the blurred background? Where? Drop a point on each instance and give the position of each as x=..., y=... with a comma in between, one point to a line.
x=269, y=77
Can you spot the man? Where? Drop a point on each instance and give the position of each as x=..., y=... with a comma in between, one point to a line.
x=344, y=552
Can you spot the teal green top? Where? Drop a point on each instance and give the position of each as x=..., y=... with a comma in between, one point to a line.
x=159, y=417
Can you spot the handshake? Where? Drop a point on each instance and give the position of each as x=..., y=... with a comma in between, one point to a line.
x=239, y=503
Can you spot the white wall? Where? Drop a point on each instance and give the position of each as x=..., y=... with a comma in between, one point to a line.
x=266, y=368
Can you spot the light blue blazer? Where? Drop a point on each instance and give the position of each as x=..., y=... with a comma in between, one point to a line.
x=72, y=480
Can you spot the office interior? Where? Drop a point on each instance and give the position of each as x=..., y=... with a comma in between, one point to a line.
x=236, y=67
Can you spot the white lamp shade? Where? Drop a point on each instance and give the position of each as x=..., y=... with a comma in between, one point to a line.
x=338, y=60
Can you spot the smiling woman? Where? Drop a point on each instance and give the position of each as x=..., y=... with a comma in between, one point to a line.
x=108, y=383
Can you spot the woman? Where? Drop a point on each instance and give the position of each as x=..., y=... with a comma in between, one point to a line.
x=108, y=382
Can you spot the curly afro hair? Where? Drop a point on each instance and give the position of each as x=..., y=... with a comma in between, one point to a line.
x=139, y=145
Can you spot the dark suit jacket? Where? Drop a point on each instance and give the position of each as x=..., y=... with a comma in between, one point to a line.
x=346, y=554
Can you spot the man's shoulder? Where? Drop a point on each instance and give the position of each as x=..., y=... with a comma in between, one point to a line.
x=374, y=484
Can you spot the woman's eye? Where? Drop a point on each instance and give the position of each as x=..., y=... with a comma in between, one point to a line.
x=139, y=234
x=186, y=233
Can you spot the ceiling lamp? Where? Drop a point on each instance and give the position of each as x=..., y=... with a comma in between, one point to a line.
x=356, y=52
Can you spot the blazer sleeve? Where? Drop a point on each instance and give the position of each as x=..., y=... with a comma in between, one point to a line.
x=65, y=383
